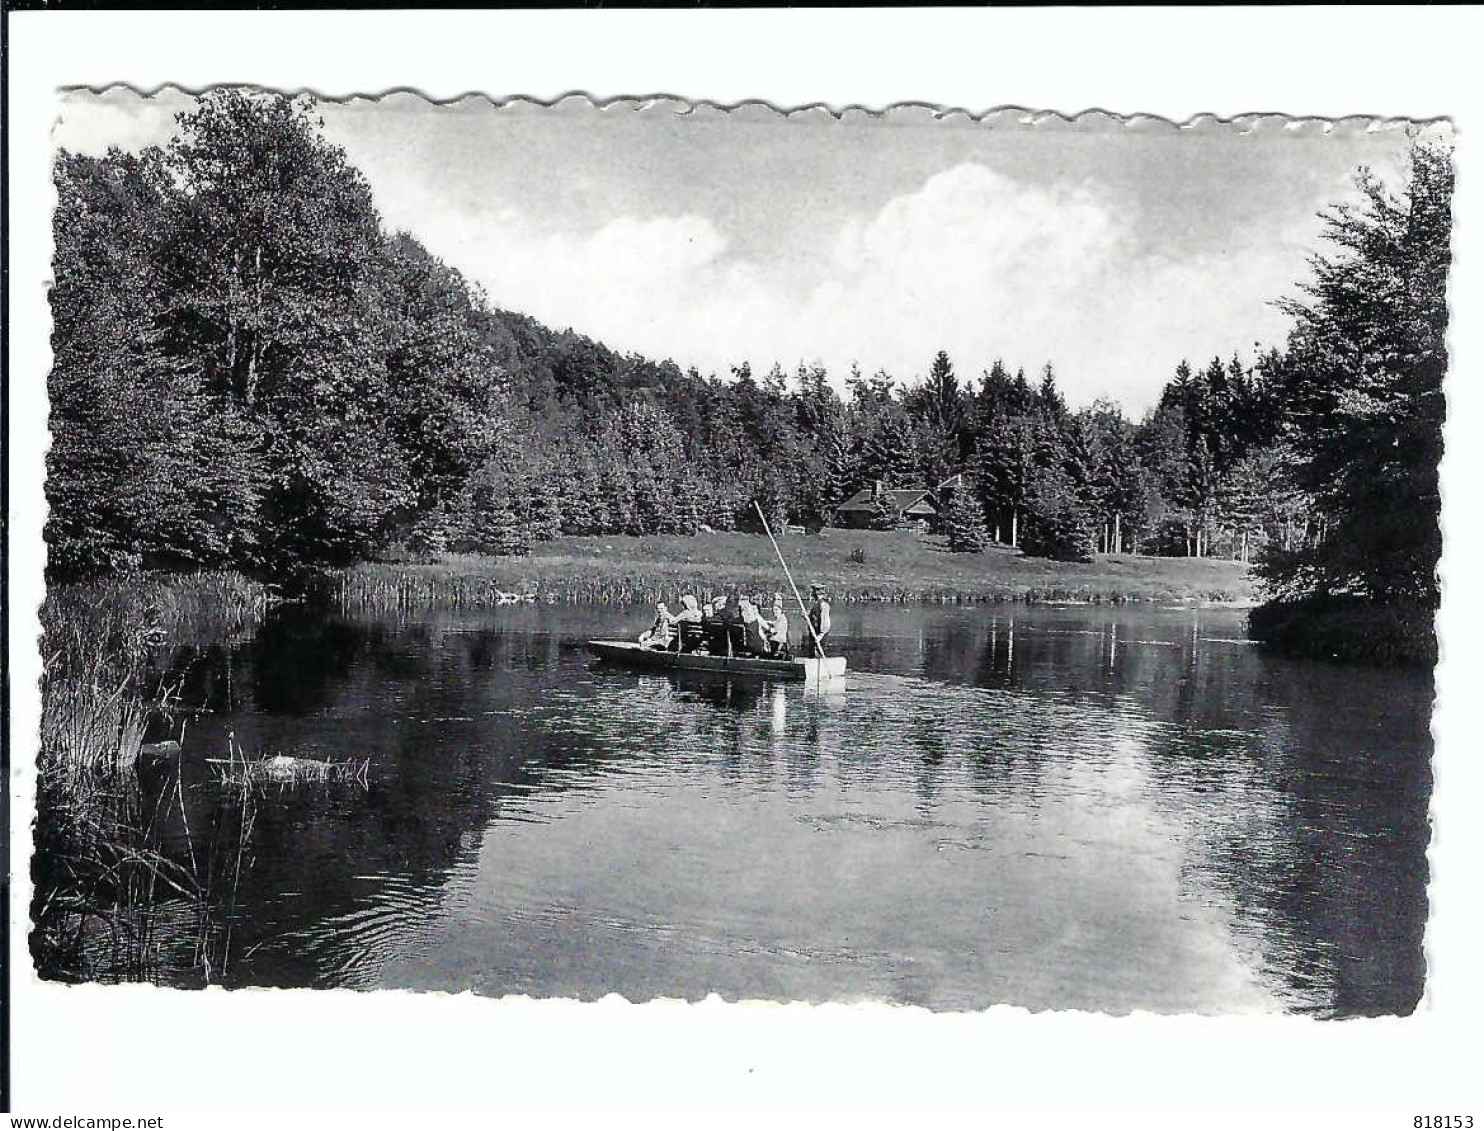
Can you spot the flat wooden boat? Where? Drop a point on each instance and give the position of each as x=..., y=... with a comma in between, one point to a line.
x=638, y=655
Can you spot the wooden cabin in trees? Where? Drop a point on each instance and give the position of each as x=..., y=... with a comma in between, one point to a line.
x=913, y=508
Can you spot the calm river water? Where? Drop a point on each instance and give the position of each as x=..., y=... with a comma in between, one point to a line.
x=1092, y=808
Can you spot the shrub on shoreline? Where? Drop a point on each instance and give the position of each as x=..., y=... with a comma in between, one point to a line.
x=1348, y=629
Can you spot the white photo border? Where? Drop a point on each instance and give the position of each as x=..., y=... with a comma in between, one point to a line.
x=140, y=1051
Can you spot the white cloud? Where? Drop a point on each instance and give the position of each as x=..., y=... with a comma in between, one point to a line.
x=90, y=124
x=972, y=262
x=626, y=283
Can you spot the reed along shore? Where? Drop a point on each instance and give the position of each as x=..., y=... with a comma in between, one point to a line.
x=856, y=566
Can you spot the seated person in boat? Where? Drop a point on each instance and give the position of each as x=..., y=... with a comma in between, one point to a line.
x=731, y=619
x=775, y=622
x=778, y=630
x=715, y=626
x=756, y=640
x=688, y=624
x=819, y=619
x=769, y=640
x=660, y=633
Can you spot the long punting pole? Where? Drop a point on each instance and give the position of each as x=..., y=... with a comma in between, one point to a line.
x=818, y=643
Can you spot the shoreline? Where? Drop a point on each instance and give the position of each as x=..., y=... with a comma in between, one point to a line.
x=896, y=567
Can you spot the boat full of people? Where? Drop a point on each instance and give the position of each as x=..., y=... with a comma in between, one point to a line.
x=733, y=634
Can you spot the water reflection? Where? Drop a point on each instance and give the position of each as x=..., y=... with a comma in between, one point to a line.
x=1105, y=809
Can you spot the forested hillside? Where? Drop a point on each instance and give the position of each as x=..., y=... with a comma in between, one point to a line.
x=251, y=372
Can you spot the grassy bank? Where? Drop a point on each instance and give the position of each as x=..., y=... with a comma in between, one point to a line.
x=856, y=565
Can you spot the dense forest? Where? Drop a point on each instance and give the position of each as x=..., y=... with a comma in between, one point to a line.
x=250, y=372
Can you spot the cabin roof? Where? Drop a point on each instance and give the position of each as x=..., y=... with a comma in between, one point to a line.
x=904, y=499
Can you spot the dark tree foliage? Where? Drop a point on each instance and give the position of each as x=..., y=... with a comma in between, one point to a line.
x=445, y=388
x=884, y=513
x=148, y=464
x=1362, y=380
x=839, y=468
x=1049, y=398
x=941, y=410
x=1004, y=469
x=963, y=522
x=495, y=510
x=1058, y=526
x=1058, y=520
x=275, y=266
x=887, y=454
x=1128, y=494
x=999, y=396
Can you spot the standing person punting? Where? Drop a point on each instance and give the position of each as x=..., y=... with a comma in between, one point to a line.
x=819, y=618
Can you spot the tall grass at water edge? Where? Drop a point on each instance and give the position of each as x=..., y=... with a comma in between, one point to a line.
x=119, y=897
x=110, y=901
x=856, y=566
x=401, y=589
x=97, y=642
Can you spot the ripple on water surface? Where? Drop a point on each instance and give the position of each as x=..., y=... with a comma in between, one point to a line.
x=1101, y=809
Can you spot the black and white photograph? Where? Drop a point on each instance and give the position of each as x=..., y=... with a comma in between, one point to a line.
x=616, y=549
x=667, y=550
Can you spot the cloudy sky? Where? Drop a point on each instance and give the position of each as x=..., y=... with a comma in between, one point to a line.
x=1111, y=249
